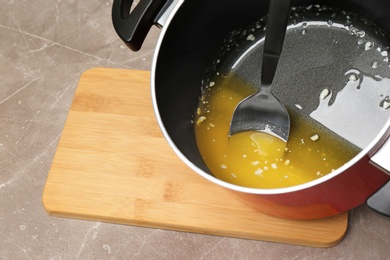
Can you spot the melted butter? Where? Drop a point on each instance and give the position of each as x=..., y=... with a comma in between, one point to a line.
x=259, y=160
x=268, y=146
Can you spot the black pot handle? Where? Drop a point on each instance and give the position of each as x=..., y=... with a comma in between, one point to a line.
x=380, y=201
x=133, y=27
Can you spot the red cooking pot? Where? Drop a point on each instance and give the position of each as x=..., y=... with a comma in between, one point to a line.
x=193, y=37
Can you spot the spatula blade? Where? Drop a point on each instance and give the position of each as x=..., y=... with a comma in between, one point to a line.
x=263, y=113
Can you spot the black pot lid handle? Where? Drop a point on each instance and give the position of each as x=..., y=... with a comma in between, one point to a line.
x=132, y=27
x=380, y=201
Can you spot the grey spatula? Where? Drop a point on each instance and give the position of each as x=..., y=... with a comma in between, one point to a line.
x=262, y=111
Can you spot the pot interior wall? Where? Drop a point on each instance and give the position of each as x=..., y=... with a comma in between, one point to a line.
x=191, y=43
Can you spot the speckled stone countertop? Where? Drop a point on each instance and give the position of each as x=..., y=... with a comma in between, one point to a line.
x=44, y=48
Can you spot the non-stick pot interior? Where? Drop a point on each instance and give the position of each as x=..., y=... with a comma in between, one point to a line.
x=191, y=44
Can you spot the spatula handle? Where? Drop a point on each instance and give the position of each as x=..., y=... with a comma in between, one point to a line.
x=274, y=36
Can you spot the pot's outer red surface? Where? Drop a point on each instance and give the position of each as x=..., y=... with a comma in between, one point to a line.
x=334, y=196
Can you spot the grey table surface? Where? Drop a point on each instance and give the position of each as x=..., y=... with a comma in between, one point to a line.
x=44, y=48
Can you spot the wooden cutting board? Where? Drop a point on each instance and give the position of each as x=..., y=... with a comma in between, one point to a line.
x=113, y=165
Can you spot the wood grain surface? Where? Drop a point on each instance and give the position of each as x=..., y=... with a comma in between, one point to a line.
x=113, y=165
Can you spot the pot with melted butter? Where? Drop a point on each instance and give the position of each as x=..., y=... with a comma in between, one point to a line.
x=334, y=79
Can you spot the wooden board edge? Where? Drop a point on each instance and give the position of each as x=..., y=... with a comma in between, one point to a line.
x=336, y=239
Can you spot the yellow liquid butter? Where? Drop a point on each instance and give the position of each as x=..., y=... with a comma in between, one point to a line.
x=259, y=160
